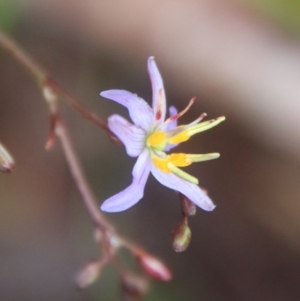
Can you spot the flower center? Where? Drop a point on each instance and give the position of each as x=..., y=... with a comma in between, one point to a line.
x=169, y=163
x=157, y=140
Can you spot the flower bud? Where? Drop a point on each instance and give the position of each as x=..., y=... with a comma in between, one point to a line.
x=7, y=163
x=181, y=237
x=89, y=274
x=134, y=287
x=154, y=267
x=187, y=206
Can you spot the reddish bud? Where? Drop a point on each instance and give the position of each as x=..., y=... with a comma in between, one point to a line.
x=7, y=162
x=181, y=237
x=154, y=267
x=88, y=274
x=188, y=207
x=134, y=286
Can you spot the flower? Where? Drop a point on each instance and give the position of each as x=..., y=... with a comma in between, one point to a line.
x=150, y=138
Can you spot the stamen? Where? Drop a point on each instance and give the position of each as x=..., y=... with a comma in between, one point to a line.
x=180, y=173
x=199, y=158
x=180, y=159
x=161, y=164
x=183, y=133
x=156, y=139
x=169, y=164
x=175, y=117
x=201, y=117
x=205, y=126
x=181, y=137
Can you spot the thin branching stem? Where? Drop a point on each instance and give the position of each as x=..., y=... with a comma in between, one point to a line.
x=109, y=240
x=44, y=79
x=79, y=178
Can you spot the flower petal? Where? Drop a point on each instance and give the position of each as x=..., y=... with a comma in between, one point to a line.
x=170, y=126
x=134, y=192
x=139, y=111
x=158, y=91
x=190, y=190
x=133, y=137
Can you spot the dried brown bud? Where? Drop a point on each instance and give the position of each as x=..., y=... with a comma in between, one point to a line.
x=154, y=267
x=7, y=162
x=134, y=286
x=181, y=237
x=89, y=274
x=187, y=206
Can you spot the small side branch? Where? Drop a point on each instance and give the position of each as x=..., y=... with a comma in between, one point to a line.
x=43, y=79
x=23, y=58
x=79, y=178
x=105, y=235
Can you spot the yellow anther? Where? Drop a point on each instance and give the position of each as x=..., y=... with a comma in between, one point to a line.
x=181, y=137
x=180, y=159
x=170, y=163
x=156, y=139
x=161, y=164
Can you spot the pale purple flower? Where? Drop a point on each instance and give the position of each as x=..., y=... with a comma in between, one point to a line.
x=149, y=138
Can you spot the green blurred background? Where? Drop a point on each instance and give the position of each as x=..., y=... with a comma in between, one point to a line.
x=241, y=59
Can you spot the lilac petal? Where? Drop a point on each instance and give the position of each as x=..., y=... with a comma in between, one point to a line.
x=190, y=190
x=133, y=137
x=171, y=126
x=135, y=191
x=158, y=91
x=139, y=111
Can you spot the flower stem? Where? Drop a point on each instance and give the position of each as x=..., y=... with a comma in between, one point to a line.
x=42, y=78
x=53, y=92
x=79, y=178
x=24, y=59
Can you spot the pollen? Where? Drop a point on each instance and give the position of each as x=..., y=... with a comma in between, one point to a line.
x=179, y=159
x=161, y=164
x=181, y=137
x=156, y=139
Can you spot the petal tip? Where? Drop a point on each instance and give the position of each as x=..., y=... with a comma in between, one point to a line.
x=105, y=208
x=103, y=93
x=212, y=207
x=109, y=206
x=151, y=62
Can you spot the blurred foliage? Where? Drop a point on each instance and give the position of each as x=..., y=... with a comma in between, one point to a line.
x=9, y=13
x=285, y=12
